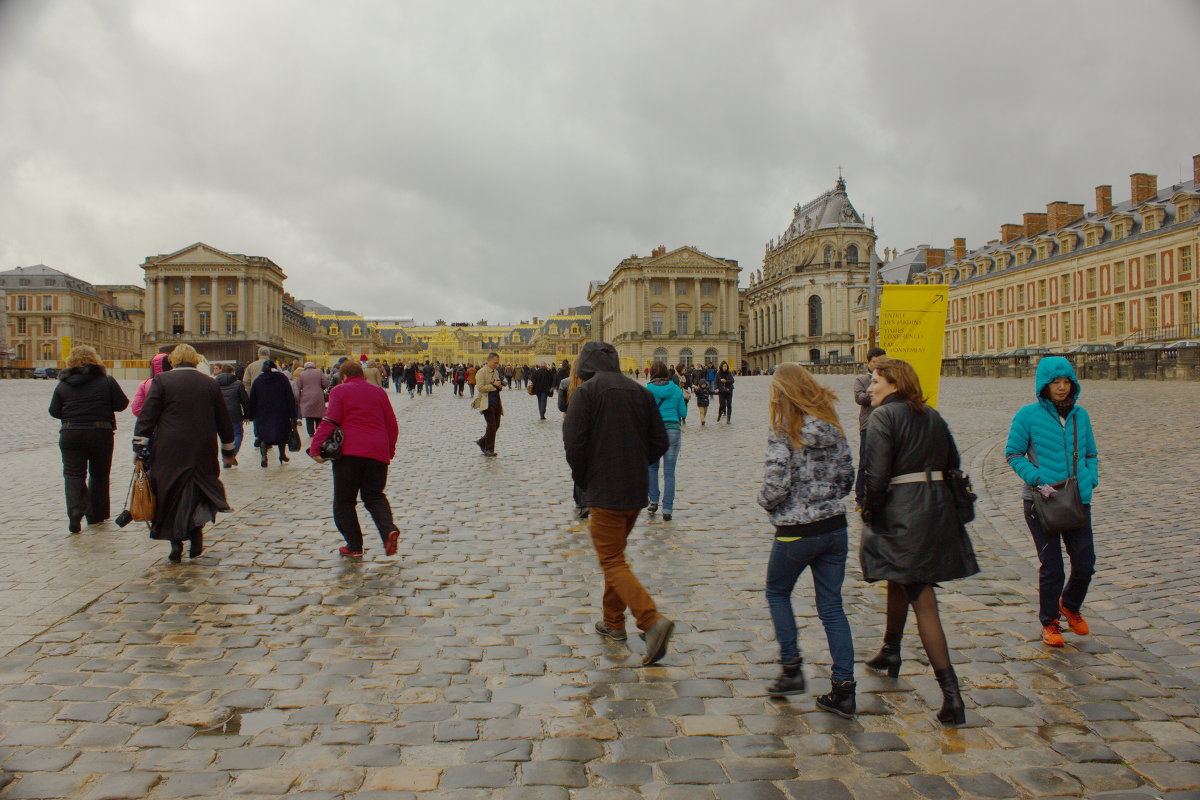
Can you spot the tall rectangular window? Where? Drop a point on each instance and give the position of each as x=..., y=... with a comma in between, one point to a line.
x=1066, y=327
x=231, y=288
x=1119, y=319
x=204, y=287
x=1091, y=281
x=999, y=301
x=176, y=287
x=1185, y=308
x=1064, y=289
x=22, y=303
x=1091, y=323
x=176, y=322
x=1150, y=268
x=706, y=322
x=656, y=323
x=21, y=325
x=47, y=303
x=1185, y=261
x=681, y=288
x=1119, y=276
x=1151, y=312
x=47, y=325
x=706, y=288
x=1041, y=291
x=681, y=322
x=656, y=287
x=205, y=322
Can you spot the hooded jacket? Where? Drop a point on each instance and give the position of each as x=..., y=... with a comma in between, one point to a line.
x=612, y=432
x=1040, y=441
x=807, y=485
x=236, y=399
x=157, y=364
x=86, y=395
x=669, y=399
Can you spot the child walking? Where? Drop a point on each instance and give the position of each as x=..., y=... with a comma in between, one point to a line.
x=702, y=395
x=808, y=472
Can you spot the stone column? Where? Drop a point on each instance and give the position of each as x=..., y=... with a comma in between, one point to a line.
x=187, y=304
x=149, y=306
x=241, y=304
x=164, y=318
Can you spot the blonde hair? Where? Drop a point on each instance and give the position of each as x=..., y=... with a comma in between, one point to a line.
x=575, y=379
x=184, y=354
x=796, y=395
x=82, y=356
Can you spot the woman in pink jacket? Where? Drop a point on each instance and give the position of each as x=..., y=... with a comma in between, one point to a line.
x=157, y=364
x=364, y=413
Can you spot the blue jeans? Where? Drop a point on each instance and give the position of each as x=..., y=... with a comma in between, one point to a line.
x=1053, y=584
x=541, y=397
x=668, y=466
x=428, y=387
x=238, y=429
x=826, y=554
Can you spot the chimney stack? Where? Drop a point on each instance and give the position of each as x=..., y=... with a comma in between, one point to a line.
x=1142, y=186
x=661, y=250
x=1034, y=223
x=1196, y=170
x=934, y=257
x=1010, y=231
x=960, y=249
x=1062, y=214
x=1103, y=200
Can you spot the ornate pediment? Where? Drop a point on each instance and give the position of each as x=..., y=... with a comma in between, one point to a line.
x=199, y=253
x=686, y=256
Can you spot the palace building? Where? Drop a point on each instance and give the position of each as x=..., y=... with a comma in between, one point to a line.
x=49, y=312
x=1121, y=274
x=800, y=304
x=679, y=307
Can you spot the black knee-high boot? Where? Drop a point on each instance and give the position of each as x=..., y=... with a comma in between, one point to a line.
x=953, y=711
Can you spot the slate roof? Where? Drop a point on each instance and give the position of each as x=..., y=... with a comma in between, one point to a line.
x=40, y=277
x=832, y=209
x=1126, y=208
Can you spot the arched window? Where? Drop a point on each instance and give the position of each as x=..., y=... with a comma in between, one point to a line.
x=685, y=356
x=814, y=355
x=814, y=316
x=47, y=351
x=357, y=331
x=21, y=352
x=710, y=356
x=333, y=330
x=828, y=253
x=851, y=255
x=660, y=354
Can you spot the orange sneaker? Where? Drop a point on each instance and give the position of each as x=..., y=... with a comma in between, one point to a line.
x=1052, y=634
x=1075, y=620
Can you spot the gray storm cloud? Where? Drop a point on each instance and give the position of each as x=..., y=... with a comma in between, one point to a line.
x=476, y=160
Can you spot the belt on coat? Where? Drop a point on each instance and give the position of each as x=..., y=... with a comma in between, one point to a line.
x=916, y=477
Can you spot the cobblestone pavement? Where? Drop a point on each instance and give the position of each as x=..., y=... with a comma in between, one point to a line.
x=465, y=667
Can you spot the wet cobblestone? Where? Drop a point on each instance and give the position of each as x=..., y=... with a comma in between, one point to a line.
x=466, y=667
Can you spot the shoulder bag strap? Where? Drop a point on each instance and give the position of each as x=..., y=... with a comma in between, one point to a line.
x=1074, y=470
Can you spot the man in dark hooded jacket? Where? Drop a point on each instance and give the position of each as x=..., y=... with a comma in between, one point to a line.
x=612, y=434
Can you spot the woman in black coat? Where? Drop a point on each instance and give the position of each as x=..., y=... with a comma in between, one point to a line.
x=273, y=409
x=87, y=400
x=177, y=434
x=724, y=387
x=913, y=537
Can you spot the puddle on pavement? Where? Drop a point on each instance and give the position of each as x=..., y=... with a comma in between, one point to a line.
x=1062, y=732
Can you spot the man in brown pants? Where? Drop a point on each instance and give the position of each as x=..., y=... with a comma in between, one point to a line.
x=489, y=383
x=612, y=433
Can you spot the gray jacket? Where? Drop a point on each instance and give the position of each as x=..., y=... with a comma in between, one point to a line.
x=861, y=396
x=807, y=485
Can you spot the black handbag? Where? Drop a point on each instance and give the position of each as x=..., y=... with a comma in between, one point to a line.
x=1063, y=510
x=294, y=438
x=964, y=496
x=331, y=448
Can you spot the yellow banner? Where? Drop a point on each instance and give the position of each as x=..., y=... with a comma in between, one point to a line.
x=912, y=327
x=66, y=347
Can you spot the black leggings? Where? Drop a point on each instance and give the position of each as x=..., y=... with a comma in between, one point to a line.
x=725, y=406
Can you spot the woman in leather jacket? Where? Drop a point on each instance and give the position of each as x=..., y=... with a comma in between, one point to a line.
x=912, y=536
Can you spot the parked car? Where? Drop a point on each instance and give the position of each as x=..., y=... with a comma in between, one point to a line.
x=1030, y=351
x=1091, y=348
x=1184, y=343
x=1158, y=346
x=1129, y=348
x=49, y=373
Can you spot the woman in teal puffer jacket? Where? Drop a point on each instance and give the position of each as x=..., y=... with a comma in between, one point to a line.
x=1043, y=437
x=673, y=408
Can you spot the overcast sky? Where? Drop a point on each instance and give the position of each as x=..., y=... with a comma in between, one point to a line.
x=487, y=160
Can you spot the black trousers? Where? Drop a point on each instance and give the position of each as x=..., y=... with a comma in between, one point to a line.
x=725, y=406
x=491, y=416
x=1053, y=584
x=311, y=423
x=354, y=476
x=87, y=462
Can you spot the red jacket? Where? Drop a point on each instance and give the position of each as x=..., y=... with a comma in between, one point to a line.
x=367, y=419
